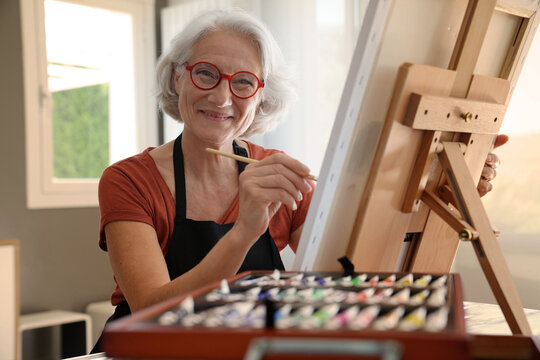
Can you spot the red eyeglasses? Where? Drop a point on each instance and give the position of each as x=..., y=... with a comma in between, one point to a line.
x=207, y=76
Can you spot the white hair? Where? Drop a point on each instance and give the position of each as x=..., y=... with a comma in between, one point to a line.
x=277, y=93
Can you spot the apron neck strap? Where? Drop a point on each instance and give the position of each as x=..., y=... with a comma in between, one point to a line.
x=179, y=175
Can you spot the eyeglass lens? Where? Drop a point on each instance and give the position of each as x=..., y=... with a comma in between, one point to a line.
x=207, y=76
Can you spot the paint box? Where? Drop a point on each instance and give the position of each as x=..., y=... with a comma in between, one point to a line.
x=422, y=313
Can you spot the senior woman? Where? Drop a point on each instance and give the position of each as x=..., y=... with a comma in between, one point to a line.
x=176, y=217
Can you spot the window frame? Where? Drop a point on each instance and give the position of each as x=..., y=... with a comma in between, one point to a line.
x=42, y=189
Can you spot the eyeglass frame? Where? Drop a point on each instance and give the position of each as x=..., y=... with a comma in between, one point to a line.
x=260, y=84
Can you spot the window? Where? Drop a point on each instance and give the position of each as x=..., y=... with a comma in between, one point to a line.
x=88, y=69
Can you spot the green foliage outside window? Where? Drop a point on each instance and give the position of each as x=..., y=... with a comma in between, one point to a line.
x=81, y=131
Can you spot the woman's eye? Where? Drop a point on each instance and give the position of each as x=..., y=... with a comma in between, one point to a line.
x=246, y=82
x=243, y=82
x=206, y=73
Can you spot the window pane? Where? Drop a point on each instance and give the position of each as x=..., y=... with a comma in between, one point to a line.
x=80, y=131
x=90, y=73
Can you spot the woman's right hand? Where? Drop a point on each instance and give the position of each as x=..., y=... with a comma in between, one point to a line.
x=264, y=186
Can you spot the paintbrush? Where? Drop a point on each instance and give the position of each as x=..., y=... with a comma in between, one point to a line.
x=246, y=160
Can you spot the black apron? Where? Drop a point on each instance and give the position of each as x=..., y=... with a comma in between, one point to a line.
x=192, y=240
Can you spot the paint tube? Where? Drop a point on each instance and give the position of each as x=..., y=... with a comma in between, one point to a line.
x=437, y=297
x=373, y=281
x=359, y=280
x=389, y=320
x=364, y=318
x=344, y=281
x=363, y=295
x=380, y=296
x=389, y=281
x=172, y=317
x=343, y=318
x=295, y=318
x=422, y=281
x=440, y=281
x=401, y=297
x=319, y=317
x=419, y=297
x=406, y=280
x=414, y=320
x=228, y=315
x=437, y=320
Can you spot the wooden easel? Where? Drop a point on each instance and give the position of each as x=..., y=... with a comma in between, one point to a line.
x=429, y=110
x=473, y=225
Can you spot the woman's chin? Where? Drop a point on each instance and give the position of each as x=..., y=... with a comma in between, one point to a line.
x=216, y=133
x=213, y=137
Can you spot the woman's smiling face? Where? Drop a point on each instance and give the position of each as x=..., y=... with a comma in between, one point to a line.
x=216, y=116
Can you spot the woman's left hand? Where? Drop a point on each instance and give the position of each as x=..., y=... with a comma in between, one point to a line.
x=489, y=171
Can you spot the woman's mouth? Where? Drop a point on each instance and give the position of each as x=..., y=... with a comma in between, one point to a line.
x=215, y=116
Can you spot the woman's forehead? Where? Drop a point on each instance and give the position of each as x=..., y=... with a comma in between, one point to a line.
x=229, y=51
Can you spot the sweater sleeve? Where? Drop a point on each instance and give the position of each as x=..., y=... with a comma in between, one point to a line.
x=133, y=190
x=120, y=199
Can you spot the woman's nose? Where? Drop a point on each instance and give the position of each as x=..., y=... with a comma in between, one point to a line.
x=221, y=95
